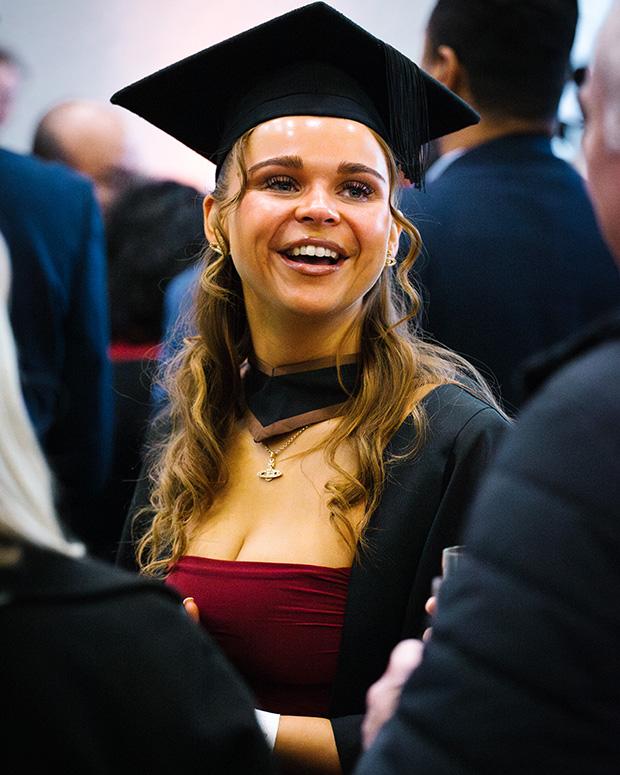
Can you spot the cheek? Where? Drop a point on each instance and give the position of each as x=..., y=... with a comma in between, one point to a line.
x=256, y=220
x=373, y=235
x=240, y=242
x=592, y=145
x=243, y=229
x=374, y=230
x=250, y=231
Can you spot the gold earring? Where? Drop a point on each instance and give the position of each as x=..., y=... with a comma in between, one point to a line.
x=389, y=259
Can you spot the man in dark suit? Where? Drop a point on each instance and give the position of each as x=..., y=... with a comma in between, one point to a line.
x=512, y=259
x=521, y=673
x=52, y=226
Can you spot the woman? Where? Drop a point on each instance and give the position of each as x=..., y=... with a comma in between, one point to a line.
x=88, y=654
x=318, y=454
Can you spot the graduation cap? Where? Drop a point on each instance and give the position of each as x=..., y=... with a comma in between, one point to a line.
x=312, y=61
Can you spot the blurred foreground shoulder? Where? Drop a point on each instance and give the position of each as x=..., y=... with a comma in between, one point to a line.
x=123, y=678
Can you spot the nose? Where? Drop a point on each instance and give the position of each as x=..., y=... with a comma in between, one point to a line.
x=317, y=207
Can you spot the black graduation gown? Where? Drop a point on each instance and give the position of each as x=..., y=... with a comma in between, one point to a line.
x=421, y=511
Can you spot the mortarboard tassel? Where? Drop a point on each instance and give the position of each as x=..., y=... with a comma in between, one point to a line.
x=408, y=116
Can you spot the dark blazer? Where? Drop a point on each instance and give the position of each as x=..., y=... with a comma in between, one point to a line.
x=420, y=513
x=513, y=260
x=58, y=307
x=522, y=672
x=103, y=672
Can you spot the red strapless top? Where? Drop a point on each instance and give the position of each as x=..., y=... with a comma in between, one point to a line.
x=280, y=624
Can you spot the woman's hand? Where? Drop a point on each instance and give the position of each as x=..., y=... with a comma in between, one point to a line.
x=191, y=609
x=383, y=696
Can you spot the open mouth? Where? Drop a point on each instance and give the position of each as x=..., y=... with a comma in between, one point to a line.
x=312, y=254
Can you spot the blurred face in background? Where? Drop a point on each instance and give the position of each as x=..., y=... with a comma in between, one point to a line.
x=601, y=138
x=92, y=138
x=10, y=79
x=96, y=145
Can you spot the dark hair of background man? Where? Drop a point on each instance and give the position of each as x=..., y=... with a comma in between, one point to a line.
x=516, y=54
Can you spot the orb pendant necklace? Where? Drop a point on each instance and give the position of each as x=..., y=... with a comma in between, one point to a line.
x=271, y=472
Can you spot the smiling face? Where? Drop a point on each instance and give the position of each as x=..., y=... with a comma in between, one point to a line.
x=310, y=234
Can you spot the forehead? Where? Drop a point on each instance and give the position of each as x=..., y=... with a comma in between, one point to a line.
x=316, y=138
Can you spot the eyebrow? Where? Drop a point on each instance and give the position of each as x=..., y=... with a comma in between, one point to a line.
x=295, y=162
x=353, y=168
x=292, y=162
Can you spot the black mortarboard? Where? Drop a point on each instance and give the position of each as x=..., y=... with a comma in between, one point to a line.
x=311, y=61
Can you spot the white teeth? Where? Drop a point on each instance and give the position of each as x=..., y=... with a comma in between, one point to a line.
x=311, y=250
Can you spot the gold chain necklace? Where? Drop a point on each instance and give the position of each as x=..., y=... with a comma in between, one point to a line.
x=271, y=472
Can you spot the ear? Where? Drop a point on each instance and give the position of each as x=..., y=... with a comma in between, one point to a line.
x=394, y=238
x=446, y=67
x=209, y=208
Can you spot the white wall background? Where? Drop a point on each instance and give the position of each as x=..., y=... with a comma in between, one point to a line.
x=90, y=48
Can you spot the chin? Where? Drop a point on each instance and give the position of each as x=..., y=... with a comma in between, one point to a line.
x=316, y=311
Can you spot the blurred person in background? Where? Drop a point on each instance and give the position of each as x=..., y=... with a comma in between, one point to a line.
x=10, y=80
x=91, y=138
x=178, y=323
x=59, y=312
x=103, y=669
x=513, y=260
x=521, y=673
x=154, y=231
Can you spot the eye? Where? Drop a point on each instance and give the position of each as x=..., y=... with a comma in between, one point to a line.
x=280, y=183
x=356, y=189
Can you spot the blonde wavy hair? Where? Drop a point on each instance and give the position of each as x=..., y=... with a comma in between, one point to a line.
x=206, y=398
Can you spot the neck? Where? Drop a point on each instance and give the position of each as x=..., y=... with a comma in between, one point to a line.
x=301, y=338
x=492, y=129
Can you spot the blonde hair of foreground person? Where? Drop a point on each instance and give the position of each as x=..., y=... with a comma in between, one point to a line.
x=204, y=385
x=26, y=492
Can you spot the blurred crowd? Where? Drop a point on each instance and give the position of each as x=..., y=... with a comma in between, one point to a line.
x=106, y=276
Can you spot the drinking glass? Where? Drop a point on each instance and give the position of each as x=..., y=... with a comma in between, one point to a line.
x=451, y=559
